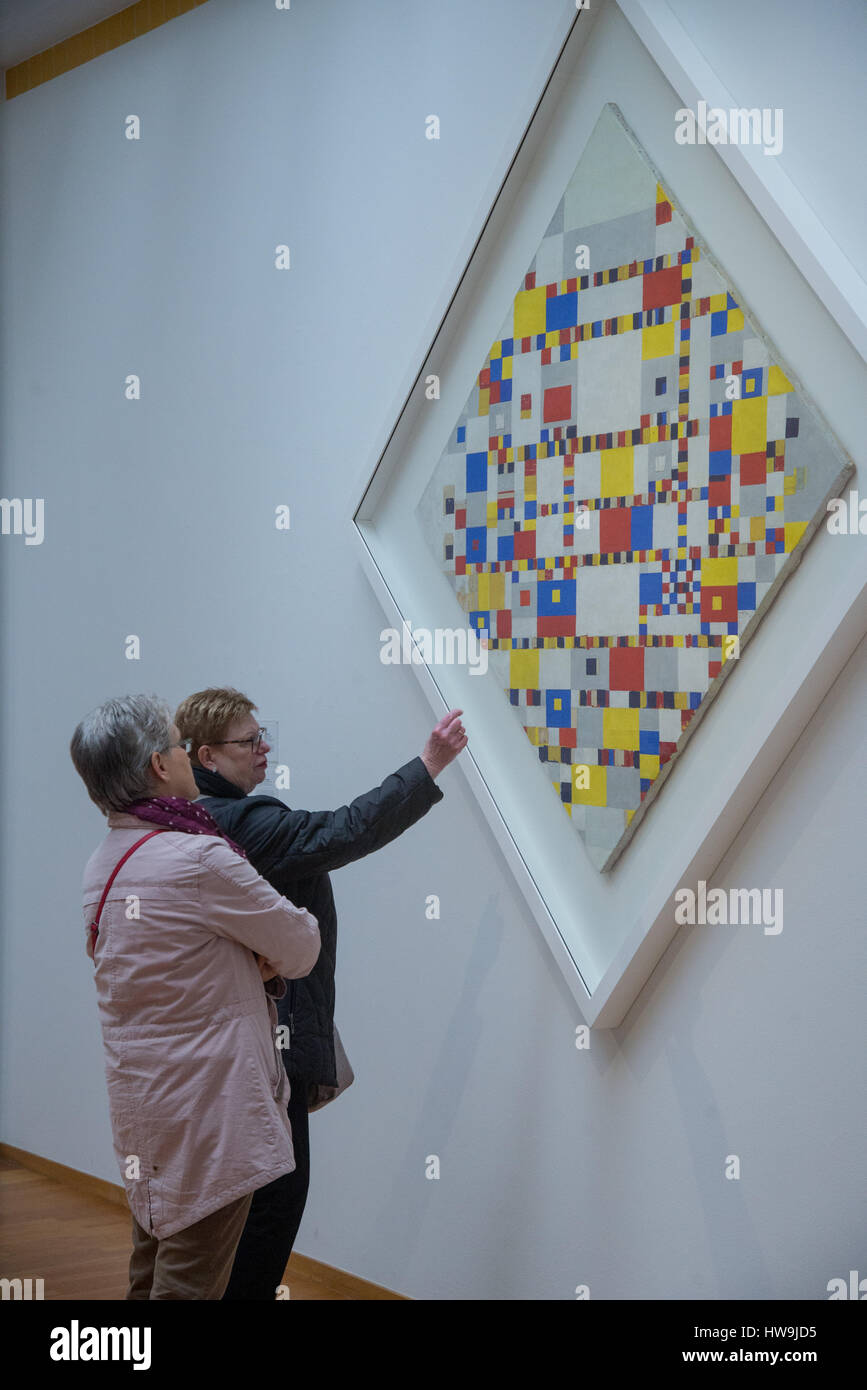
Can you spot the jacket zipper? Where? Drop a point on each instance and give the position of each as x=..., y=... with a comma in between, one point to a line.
x=281, y=1066
x=277, y=1057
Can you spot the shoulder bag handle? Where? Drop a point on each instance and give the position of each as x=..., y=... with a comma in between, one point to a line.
x=94, y=926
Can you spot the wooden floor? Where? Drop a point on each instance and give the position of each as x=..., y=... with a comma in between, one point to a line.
x=80, y=1244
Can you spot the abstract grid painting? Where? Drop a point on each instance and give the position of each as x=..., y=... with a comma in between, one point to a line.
x=623, y=492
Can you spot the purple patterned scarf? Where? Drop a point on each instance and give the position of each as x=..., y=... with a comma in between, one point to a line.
x=179, y=814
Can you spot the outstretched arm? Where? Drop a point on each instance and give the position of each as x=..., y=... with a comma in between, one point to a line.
x=287, y=844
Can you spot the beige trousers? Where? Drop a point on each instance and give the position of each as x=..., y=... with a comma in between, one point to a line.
x=194, y=1263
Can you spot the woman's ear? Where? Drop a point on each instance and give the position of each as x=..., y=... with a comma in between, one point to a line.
x=158, y=767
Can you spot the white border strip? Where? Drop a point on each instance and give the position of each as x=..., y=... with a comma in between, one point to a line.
x=830, y=274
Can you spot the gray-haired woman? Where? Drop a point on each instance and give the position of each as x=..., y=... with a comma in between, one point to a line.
x=182, y=932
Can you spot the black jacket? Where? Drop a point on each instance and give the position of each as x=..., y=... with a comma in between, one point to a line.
x=295, y=851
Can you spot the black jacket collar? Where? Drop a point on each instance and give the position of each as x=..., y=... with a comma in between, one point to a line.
x=214, y=784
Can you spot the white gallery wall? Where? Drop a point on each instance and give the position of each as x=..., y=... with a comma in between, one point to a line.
x=558, y=1166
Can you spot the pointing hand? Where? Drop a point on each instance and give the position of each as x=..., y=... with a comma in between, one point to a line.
x=445, y=743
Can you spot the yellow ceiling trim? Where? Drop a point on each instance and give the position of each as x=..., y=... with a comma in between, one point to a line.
x=100, y=38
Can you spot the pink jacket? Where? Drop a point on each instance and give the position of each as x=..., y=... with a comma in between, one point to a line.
x=196, y=1085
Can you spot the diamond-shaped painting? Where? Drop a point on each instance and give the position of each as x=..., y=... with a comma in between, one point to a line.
x=624, y=489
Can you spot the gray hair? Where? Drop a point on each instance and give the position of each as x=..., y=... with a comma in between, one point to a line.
x=113, y=745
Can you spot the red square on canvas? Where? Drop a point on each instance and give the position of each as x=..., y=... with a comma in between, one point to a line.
x=719, y=492
x=727, y=609
x=558, y=403
x=626, y=668
x=720, y=432
x=613, y=529
x=662, y=287
x=525, y=545
x=554, y=625
x=753, y=468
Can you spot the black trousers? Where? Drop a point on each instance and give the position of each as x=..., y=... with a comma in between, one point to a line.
x=275, y=1215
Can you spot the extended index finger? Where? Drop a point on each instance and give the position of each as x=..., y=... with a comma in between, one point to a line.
x=448, y=720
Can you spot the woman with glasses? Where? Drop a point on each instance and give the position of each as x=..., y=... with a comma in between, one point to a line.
x=295, y=850
x=183, y=932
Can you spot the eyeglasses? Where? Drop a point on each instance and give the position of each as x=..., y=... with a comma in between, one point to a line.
x=184, y=743
x=255, y=740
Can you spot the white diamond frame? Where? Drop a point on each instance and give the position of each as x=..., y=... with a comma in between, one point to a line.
x=608, y=931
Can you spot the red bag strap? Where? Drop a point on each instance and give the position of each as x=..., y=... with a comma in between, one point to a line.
x=94, y=926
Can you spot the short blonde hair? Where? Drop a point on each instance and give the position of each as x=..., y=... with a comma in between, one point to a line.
x=205, y=716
